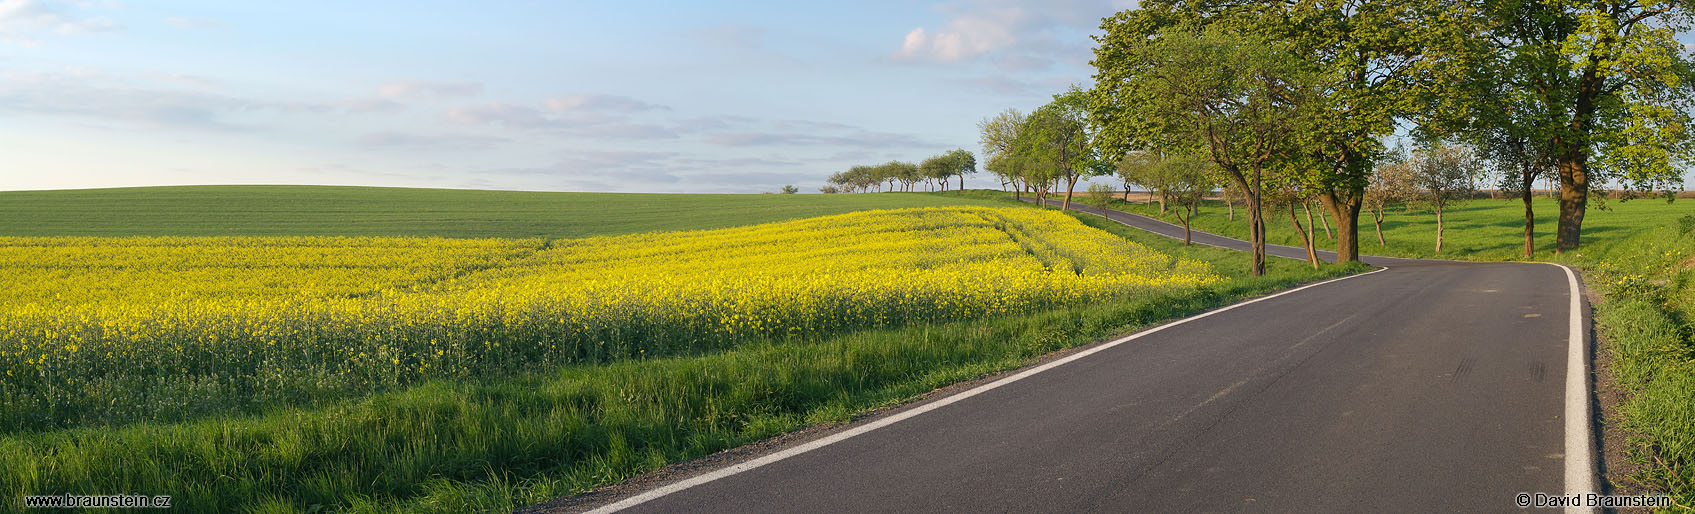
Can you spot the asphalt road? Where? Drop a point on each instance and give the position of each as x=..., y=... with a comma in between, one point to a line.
x=1427, y=387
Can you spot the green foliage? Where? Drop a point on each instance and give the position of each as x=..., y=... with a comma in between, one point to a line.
x=1441, y=175
x=957, y=162
x=1235, y=98
x=1000, y=139
x=1596, y=92
x=789, y=189
x=1186, y=179
x=1100, y=195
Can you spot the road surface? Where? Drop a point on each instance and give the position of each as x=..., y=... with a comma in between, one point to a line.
x=1429, y=386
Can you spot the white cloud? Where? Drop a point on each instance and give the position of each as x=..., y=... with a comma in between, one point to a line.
x=132, y=100
x=589, y=102
x=397, y=139
x=1014, y=34
x=20, y=20
x=967, y=35
x=411, y=89
x=585, y=115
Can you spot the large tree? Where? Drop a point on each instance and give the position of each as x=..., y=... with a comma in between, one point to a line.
x=1372, y=61
x=1235, y=98
x=962, y=163
x=1060, y=140
x=1505, y=132
x=999, y=135
x=1615, y=83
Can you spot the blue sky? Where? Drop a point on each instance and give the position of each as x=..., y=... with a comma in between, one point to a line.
x=567, y=96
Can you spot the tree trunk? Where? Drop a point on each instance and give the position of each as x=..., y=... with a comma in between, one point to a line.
x=1186, y=220
x=1230, y=205
x=1573, y=158
x=1070, y=184
x=1377, y=218
x=1161, y=203
x=1326, y=223
x=1346, y=210
x=1438, y=228
x=1306, y=241
x=1529, y=217
x=1306, y=206
x=1574, y=199
x=962, y=182
x=1256, y=235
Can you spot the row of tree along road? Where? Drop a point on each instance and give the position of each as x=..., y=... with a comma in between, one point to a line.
x=904, y=176
x=1293, y=102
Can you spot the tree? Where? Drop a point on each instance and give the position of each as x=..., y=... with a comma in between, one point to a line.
x=1187, y=180
x=1229, y=194
x=1391, y=181
x=790, y=189
x=999, y=136
x=1614, y=82
x=1061, y=140
x=936, y=167
x=904, y=173
x=1505, y=133
x=1368, y=62
x=1289, y=193
x=1032, y=157
x=1147, y=170
x=1100, y=196
x=1234, y=98
x=963, y=163
x=829, y=189
x=1442, y=176
x=1134, y=169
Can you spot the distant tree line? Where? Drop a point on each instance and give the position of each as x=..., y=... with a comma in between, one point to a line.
x=933, y=172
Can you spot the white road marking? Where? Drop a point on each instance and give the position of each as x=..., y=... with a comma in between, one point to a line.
x=1580, y=462
x=915, y=411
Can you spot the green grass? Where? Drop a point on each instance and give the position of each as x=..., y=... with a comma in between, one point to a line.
x=376, y=211
x=1647, y=322
x=492, y=444
x=1485, y=229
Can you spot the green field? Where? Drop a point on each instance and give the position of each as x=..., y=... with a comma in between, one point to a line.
x=380, y=211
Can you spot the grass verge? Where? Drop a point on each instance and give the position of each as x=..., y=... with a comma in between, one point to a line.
x=1648, y=322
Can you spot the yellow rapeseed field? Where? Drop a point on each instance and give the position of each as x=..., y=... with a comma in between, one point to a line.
x=176, y=327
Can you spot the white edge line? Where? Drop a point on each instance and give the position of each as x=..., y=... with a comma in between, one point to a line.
x=1581, y=473
x=673, y=487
